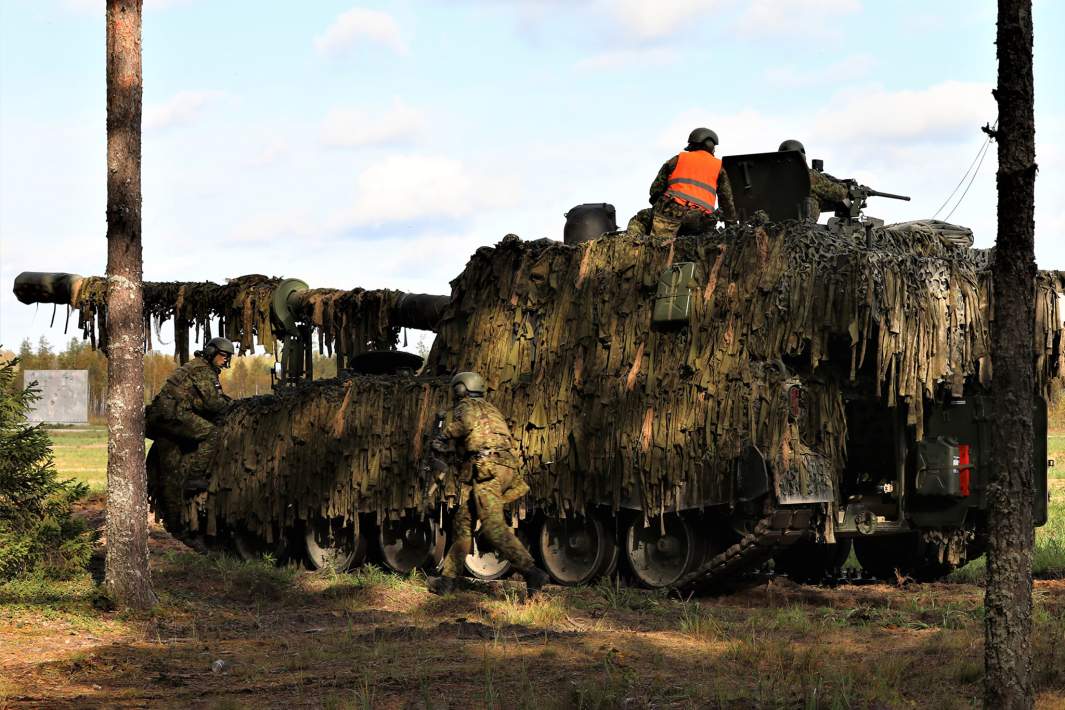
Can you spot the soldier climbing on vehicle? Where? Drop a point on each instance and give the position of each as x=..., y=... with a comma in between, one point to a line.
x=185, y=414
x=489, y=476
x=689, y=194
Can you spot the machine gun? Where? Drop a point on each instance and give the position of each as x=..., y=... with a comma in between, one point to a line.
x=857, y=195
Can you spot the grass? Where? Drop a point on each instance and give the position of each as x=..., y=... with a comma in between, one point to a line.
x=543, y=612
x=67, y=602
x=81, y=454
x=372, y=639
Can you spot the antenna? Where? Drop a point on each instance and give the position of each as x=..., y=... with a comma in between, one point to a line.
x=977, y=162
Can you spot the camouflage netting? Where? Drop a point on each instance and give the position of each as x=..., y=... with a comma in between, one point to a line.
x=347, y=322
x=617, y=410
x=609, y=410
x=331, y=447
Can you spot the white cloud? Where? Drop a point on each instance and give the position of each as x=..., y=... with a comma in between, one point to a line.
x=846, y=70
x=180, y=108
x=655, y=20
x=949, y=111
x=352, y=128
x=418, y=187
x=620, y=58
x=269, y=152
x=650, y=21
x=744, y=131
x=274, y=228
x=360, y=24
x=797, y=17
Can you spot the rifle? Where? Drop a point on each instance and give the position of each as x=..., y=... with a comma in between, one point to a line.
x=857, y=194
x=433, y=466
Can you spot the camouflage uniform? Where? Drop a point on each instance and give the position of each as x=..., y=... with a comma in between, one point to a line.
x=827, y=194
x=671, y=218
x=478, y=432
x=181, y=420
x=640, y=224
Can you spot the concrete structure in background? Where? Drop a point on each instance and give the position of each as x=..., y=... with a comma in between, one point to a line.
x=64, y=396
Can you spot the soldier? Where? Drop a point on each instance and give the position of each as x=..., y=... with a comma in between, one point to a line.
x=688, y=189
x=640, y=223
x=827, y=194
x=489, y=471
x=184, y=414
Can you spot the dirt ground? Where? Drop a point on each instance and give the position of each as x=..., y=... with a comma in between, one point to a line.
x=228, y=634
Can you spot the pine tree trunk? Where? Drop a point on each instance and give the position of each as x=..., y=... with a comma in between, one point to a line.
x=127, y=578
x=1008, y=650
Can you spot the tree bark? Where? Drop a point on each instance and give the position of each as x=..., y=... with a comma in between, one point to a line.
x=1008, y=601
x=127, y=577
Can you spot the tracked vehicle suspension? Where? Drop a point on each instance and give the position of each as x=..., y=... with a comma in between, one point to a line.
x=778, y=529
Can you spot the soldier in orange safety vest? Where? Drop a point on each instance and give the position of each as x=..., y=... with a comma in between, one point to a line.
x=691, y=191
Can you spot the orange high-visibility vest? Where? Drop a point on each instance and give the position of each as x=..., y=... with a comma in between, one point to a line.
x=694, y=180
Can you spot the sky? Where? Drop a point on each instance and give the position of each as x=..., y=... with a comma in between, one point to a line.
x=378, y=144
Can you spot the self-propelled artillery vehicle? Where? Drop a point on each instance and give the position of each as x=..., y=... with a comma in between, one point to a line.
x=684, y=410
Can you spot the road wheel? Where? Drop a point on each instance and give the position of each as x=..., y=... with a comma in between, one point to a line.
x=251, y=546
x=484, y=562
x=575, y=550
x=411, y=543
x=658, y=557
x=335, y=547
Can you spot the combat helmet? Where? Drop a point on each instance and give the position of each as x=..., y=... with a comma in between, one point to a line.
x=468, y=384
x=700, y=137
x=792, y=144
x=219, y=345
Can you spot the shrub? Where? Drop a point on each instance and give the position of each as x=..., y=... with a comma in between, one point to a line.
x=37, y=530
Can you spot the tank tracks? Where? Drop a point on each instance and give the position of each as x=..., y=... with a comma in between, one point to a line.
x=780, y=528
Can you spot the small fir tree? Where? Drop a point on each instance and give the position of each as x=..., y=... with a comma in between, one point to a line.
x=37, y=530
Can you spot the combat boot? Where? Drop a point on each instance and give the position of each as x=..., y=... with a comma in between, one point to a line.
x=535, y=579
x=440, y=585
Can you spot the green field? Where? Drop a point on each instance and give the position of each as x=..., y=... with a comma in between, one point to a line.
x=81, y=454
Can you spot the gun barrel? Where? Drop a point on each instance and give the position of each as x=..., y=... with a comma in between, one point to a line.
x=46, y=287
x=419, y=310
x=889, y=195
x=410, y=310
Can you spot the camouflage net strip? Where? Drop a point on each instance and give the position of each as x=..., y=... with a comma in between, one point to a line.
x=610, y=411
x=348, y=322
x=329, y=448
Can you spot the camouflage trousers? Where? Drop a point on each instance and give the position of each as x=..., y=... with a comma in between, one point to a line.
x=640, y=224
x=170, y=467
x=483, y=501
x=671, y=219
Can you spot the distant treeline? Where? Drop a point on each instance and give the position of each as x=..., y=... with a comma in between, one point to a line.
x=246, y=377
